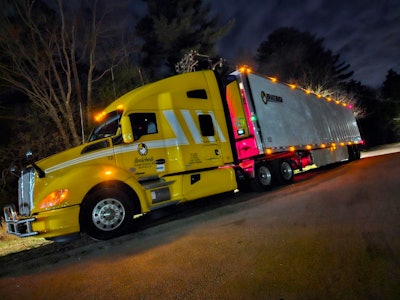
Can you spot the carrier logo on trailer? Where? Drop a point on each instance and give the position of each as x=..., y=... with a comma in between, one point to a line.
x=265, y=97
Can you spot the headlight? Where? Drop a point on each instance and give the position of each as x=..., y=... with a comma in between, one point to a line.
x=54, y=199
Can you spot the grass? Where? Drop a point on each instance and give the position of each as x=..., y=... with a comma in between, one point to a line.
x=12, y=244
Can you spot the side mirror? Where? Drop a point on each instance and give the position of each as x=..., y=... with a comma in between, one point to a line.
x=126, y=128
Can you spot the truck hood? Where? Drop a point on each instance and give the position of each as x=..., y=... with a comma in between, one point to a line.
x=76, y=155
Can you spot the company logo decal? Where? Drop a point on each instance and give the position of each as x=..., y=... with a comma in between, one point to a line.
x=142, y=149
x=265, y=97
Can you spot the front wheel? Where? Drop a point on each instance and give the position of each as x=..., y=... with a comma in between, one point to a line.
x=107, y=213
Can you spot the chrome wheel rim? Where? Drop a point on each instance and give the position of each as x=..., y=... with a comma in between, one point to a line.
x=108, y=214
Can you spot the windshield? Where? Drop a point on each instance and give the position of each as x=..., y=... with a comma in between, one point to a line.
x=108, y=127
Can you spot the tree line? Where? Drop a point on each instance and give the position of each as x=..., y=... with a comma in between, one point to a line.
x=62, y=61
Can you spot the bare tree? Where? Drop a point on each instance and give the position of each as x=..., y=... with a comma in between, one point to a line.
x=55, y=58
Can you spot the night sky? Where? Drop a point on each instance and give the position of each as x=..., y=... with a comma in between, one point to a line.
x=366, y=33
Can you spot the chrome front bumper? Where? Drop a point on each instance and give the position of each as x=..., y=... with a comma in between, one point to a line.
x=17, y=225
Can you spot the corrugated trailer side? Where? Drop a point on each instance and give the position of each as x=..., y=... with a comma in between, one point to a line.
x=289, y=117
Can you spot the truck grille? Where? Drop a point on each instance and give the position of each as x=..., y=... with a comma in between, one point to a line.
x=25, y=191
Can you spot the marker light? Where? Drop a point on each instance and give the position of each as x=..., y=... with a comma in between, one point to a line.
x=323, y=145
x=292, y=86
x=292, y=149
x=99, y=116
x=342, y=144
x=308, y=147
x=269, y=151
x=244, y=70
x=273, y=79
x=54, y=199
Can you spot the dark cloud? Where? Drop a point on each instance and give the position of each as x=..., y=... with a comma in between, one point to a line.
x=365, y=33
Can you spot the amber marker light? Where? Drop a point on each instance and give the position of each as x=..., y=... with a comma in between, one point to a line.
x=323, y=145
x=292, y=148
x=244, y=69
x=342, y=144
x=292, y=86
x=273, y=79
x=269, y=151
x=54, y=199
x=99, y=116
x=308, y=147
x=108, y=172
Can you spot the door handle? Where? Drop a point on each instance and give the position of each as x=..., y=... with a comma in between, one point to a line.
x=160, y=161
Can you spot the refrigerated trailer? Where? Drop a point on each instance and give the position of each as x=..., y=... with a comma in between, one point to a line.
x=179, y=139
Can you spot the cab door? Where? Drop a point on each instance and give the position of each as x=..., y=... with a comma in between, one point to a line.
x=146, y=157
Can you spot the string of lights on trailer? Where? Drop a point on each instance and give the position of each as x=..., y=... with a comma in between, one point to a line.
x=331, y=145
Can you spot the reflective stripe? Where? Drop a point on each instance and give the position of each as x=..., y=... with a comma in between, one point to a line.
x=80, y=159
x=176, y=127
x=220, y=133
x=192, y=126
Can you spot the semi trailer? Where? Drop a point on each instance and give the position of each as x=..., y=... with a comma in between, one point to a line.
x=179, y=139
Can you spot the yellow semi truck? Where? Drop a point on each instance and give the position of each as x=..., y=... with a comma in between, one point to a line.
x=179, y=139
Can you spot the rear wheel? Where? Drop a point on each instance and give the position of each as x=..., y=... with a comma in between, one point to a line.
x=107, y=213
x=284, y=171
x=263, y=178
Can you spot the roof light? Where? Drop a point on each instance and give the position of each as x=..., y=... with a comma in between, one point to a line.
x=308, y=147
x=99, y=116
x=244, y=69
x=292, y=148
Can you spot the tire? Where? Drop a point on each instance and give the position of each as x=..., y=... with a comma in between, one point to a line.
x=354, y=152
x=263, y=178
x=284, y=172
x=357, y=152
x=107, y=213
x=350, y=151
